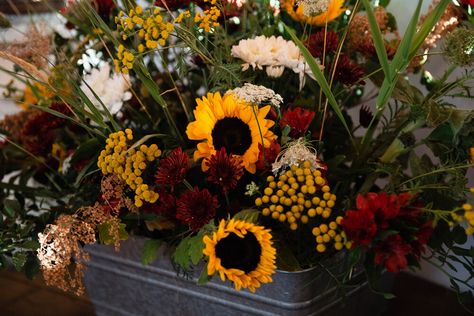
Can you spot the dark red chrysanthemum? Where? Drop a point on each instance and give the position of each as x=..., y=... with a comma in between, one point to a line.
x=104, y=7
x=267, y=156
x=196, y=208
x=392, y=253
x=368, y=49
x=360, y=227
x=224, y=170
x=37, y=134
x=172, y=4
x=315, y=43
x=173, y=168
x=298, y=119
x=365, y=116
x=166, y=205
x=468, y=2
x=348, y=72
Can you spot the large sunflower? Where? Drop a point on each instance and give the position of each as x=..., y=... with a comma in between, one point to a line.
x=296, y=12
x=241, y=252
x=227, y=122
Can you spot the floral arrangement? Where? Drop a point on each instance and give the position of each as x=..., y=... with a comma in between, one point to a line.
x=249, y=135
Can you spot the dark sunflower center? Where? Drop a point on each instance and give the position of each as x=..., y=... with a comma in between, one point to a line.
x=239, y=253
x=232, y=134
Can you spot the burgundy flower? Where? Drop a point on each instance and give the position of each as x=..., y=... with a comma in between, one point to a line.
x=468, y=2
x=368, y=50
x=172, y=4
x=196, y=208
x=359, y=227
x=348, y=72
x=166, y=205
x=298, y=119
x=104, y=7
x=267, y=156
x=173, y=168
x=315, y=43
x=392, y=253
x=224, y=170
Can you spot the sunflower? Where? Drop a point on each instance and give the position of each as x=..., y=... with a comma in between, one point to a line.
x=241, y=252
x=296, y=12
x=227, y=122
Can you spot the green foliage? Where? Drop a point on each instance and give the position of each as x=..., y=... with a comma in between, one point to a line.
x=150, y=250
x=107, y=238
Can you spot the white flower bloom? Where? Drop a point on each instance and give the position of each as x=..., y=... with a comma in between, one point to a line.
x=295, y=153
x=112, y=90
x=314, y=7
x=257, y=95
x=51, y=252
x=273, y=53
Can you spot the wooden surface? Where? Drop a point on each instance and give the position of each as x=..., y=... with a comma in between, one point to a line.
x=21, y=297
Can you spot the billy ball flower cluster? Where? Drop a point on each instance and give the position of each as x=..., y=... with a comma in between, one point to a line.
x=296, y=196
x=149, y=25
x=330, y=233
x=467, y=217
x=129, y=164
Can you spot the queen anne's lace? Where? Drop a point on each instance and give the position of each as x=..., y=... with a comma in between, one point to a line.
x=257, y=95
x=295, y=153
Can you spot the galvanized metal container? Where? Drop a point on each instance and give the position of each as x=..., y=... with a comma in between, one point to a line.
x=118, y=284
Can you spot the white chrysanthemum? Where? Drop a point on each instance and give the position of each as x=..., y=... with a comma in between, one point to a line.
x=257, y=95
x=112, y=90
x=295, y=153
x=314, y=7
x=274, y=53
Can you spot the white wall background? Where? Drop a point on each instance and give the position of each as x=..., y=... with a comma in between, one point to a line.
x=402, y=9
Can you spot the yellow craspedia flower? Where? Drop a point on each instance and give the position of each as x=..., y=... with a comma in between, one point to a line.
x=241, y=252
x=224, y=121
x=471, y=153
x=296, y=12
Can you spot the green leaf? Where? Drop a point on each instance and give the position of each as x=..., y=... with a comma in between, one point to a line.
x=378, y=39
x=106, y=238
x=388, y=296
x=196, y=246
x=248, y=215
x=87, y=150
x=204, y=277
x=30, y=244
x=32, y=266
x=11, y=207
x=320, y=79
x=150, y=250
x=181, y=254
x=19, y=260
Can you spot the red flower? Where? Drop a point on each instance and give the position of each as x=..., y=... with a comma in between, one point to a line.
x=104, y=7
x=298, y=119
x=173, y=168
x=172, y=4
x=468, y=2
x=383, y=206
x=392, y=253
x=316, y=43
x=166, y=205
x=224, y=170
x=196, y=208
x=267, y=156
x=359, y=227
x=348, y=72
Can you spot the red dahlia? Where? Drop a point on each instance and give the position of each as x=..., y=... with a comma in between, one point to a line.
x=392, y=253
x=315, y=43
x=104, y=7
x=196, y=208
x=173, y=168
x=298, y=119
x=348, y=72
x=383, y=206
x=224, y=170
x=267, y=156
x=359, y=227
x=172, y=4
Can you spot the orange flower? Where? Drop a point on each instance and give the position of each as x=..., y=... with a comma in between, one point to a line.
x=334, y=11
x=33, y=93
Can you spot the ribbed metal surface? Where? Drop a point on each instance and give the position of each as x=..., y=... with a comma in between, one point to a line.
x=118, y=284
